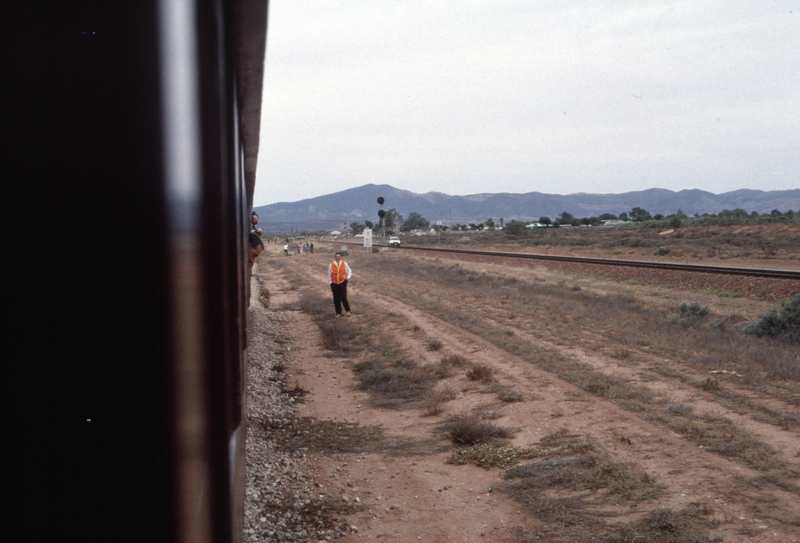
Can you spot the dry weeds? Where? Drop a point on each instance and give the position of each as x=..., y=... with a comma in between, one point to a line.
x=480, y=372
x=471, y=429
x=634, y=326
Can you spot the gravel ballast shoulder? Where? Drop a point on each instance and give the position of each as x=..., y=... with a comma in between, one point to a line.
x=282, y=503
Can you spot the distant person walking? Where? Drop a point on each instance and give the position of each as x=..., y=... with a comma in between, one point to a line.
x=338, y=274
x=285, y=249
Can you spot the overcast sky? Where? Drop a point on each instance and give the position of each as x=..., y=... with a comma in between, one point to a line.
x=465, y=97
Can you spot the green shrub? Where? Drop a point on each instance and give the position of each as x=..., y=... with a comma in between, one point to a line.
x=661, y=251
x=376, y=377
x=486, y=456
x=784, y=324
x=693, y=310
x=515, y=228
x=716, y=324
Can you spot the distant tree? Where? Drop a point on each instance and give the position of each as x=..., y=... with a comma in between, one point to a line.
x=481, y=226
x=501, y=222
x=415, y=221
x=369, y=224
x=392, y=218
x=658, y=217
x=357, y=227
x=473, y=226
x=566, y=217
x=545, y=221
x=515, y=228
x=623, y=216
x=489, y=223
x=575, y=222
x=607, y=217
x=639, y=214
x=775, y=213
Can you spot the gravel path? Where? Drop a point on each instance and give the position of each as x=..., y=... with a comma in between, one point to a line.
x=282, y=503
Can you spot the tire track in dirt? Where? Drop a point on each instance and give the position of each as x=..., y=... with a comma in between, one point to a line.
x=402, y=489
x=580, y=347
x=691, y=474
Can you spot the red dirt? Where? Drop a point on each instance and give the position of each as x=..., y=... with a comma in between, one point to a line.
x=408, y=493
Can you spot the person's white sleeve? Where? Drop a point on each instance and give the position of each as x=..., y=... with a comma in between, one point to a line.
x=330, y=274
x=349, y=271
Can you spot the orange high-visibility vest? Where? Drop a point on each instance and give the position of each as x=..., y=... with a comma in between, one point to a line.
x=338, y=272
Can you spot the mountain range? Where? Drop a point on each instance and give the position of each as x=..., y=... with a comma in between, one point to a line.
x=360, y=204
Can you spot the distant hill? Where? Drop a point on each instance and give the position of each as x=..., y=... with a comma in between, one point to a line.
x=360, y=204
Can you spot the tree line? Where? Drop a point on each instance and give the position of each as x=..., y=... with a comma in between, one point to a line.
x=395, y=222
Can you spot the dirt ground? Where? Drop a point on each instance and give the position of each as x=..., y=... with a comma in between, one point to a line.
x=400, y=487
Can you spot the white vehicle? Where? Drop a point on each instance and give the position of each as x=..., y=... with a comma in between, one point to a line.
x=394, y=241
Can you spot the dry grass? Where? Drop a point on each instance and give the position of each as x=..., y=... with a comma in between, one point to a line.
x=444, y=369
x=722, y=436
x=480, y=372
x=264, y=296
x=403, y=380
x=338, y=335
x=507, y=394
x=454, y=360
x=434, y=345
x=572, y=493
x=434, y=403
x=634, y=326
x=668, y=526
x=470, y=429
x=312, y=303
x=488, y=411
x=634, y=323
x=680, y=408
x=575, y=485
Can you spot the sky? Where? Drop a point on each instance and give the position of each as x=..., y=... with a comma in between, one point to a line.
x=486, y=96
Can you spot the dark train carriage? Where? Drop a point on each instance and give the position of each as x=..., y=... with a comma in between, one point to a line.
x=130, y=137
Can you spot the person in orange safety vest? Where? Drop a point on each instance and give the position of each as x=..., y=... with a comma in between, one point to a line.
x=338, y=274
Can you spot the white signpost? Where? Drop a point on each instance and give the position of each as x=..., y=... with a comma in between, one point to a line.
x=368, y=237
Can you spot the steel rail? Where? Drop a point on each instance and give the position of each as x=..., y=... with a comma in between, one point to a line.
x=726, y=270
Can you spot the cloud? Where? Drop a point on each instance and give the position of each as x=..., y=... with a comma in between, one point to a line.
x=486, y=96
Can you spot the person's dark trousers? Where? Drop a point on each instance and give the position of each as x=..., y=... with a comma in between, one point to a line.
x=340, y=297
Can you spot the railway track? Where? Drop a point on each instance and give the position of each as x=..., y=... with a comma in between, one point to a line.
x=719, y=270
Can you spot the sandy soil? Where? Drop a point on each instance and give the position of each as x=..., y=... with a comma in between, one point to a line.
x=404, y=491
